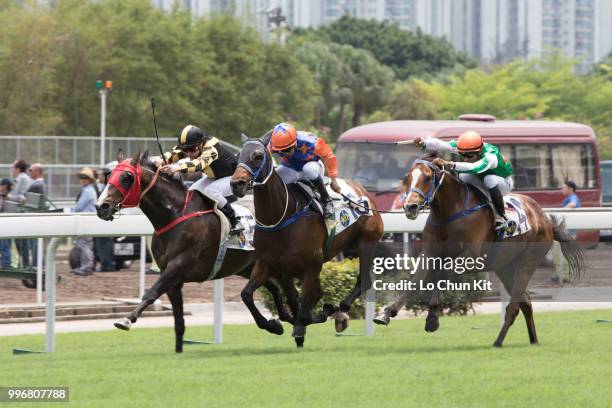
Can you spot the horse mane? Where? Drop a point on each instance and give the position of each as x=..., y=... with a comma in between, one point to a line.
x=429, y=156
x=170, y=179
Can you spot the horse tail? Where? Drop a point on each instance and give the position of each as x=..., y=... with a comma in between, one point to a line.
x=570, y=249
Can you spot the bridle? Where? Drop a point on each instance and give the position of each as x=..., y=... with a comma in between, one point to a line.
x=433, y=188
x=131, y=196
x=255, y=174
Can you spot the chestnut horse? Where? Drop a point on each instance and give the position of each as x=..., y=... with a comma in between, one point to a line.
x=186, y=241
x=291, y=238
x=460, y=225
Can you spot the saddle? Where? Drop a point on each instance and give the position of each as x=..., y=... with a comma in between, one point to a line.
x=312, y=194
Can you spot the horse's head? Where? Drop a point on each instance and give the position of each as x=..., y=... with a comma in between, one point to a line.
x=255, y=165
x=423, y=180
x=124, y=187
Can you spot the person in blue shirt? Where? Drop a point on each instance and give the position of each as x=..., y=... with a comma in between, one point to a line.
x=86, y=202
x=571, y=200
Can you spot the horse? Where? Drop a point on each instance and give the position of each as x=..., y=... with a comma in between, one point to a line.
x=290, y=239
x=186, y=240
x=460, y=224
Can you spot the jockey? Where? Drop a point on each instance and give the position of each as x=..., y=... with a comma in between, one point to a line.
x=483, y=166
x=205, y=154
x=300, y=153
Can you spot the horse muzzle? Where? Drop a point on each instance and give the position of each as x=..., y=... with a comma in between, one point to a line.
x=105, y=212
x=239, y=187
x=411, y=210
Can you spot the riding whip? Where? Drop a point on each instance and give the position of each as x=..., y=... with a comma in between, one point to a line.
x=161, y=151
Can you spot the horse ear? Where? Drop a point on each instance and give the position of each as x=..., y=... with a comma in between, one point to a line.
x=120, y=155
x=145, y=156
x=265, y=139
x=243, y=138
x=136, y=158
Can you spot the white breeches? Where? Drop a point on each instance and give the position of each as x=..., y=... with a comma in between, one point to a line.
x=505, y=184
x=311, y=171
x=216, y=189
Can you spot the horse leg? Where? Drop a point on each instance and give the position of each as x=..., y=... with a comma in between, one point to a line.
x=432, y=323
x=311, y=294
x=291, y=294
x=175, y=295
x=512, y=311
x=392, y=310
x=527, y=310
x=259, y=276
x=167, y=280
x=283, y=314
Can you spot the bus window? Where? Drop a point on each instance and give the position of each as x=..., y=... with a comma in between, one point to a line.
x=378, y=166
x=531, y=169
x=573, y=162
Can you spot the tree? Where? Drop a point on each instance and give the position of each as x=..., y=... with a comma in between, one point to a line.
x=406, y=53
x=214, y=73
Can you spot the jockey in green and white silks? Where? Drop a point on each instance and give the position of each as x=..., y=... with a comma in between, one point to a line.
x=483, y=166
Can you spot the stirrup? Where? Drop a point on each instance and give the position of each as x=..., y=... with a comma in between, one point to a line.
x=237, y=229
x=328, y=210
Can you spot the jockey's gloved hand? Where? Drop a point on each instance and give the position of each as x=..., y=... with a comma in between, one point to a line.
x=334, y=185
x=419, y=142
x=170, y=168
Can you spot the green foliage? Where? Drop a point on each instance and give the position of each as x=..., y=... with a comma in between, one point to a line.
x=409, y=101
x=337, y=281
x=214, y=73
x=408, y=54
x=351, y=83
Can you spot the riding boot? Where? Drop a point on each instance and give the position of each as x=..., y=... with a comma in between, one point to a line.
x=328, y=205
x=234, y=220
x=501, y=222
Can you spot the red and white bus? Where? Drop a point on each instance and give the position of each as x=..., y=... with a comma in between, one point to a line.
x=543, y=153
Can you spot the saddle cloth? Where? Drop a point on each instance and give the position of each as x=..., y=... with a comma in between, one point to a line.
x=515, y=211
x=346, y=213
x=243, y=241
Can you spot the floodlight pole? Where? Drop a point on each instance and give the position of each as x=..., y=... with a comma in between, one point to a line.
x=103, y=89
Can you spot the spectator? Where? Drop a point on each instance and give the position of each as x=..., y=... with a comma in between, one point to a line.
x=5, y=244
x=22, y=183
x=103, y=246
x=398, y=202
x=571, y=200
x=366, y=174
x=391, y=169
x=86, y=202
x=38, y=181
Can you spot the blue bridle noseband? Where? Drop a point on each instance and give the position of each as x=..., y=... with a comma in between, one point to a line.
x=256, y=173
x=433, y=189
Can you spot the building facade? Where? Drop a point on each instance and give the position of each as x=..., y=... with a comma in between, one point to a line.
x=489, y=30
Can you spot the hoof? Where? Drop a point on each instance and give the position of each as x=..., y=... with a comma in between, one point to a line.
x=299, y=342
x=341, y=321
x=124, y=324
x=432, y=324
x=497, y=344
x=382, y=319
x=275, y=327
x=329, y=309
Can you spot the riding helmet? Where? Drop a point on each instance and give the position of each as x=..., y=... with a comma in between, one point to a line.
x=469, y=141
x=284, y=136
x=191, y=136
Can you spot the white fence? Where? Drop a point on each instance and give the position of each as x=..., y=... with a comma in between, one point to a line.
x=55, y=226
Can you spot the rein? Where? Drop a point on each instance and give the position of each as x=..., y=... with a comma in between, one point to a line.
x=134, y=191
x=433, y=189
x=431, y=193
x=254, y=183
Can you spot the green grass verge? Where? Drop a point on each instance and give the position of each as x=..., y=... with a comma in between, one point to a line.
x=401, y=366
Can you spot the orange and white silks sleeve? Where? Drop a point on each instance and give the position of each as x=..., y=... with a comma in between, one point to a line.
x=327, y=155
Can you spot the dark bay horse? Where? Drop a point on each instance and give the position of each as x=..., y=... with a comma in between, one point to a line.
x=461, y=225
x=289, y=250
x=187, y=237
